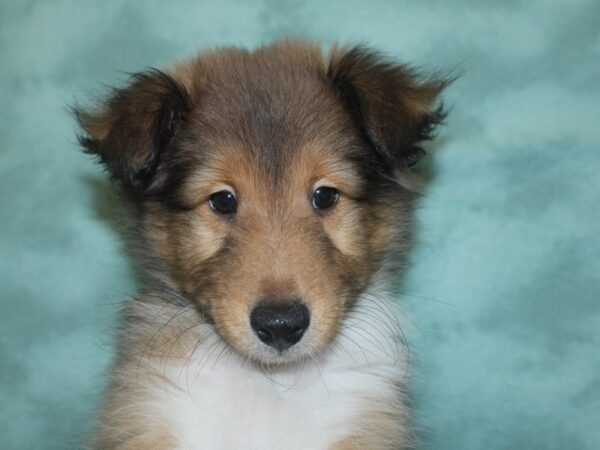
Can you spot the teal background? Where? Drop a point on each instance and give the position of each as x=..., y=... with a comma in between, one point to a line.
x=504, y=289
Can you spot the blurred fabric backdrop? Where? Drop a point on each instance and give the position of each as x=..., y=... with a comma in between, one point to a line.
x=504, y=288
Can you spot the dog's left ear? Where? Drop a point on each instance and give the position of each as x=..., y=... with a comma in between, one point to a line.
x=392, y=106
x=133, y=130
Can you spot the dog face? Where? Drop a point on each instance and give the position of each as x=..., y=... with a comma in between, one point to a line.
x=269, y=183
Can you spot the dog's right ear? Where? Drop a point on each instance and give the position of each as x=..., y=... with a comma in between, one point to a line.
x=134, y=129
x=392, y=105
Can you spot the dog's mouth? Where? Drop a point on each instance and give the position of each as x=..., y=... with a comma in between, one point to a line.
x=270, y=356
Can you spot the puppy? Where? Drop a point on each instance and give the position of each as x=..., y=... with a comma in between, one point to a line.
x=271, y=201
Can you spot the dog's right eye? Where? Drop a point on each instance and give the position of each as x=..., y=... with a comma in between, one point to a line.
x=324, y=198
x=223, y=202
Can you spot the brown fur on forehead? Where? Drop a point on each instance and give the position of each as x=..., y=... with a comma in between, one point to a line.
x=232, y=79
x=271, y=101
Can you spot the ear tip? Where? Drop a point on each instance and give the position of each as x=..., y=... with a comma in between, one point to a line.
x=440, y=113
x=88, y=144
x=440, y=80
x=83, y=118
x=428, y=130
x=359, y=58
x=412, y=158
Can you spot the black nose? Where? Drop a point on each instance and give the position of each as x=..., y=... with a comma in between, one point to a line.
x=280, y=324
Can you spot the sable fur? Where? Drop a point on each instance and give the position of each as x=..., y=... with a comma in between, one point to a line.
x=269, y=125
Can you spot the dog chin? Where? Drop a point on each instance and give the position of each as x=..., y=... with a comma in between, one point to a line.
x=265, y=356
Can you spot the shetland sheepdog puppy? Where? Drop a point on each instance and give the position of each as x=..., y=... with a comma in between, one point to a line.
x=270, y=196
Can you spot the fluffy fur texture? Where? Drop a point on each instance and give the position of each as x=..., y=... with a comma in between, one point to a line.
x=270, y=126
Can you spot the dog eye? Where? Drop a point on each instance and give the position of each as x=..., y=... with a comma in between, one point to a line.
x=324, y=198
x=223, y=202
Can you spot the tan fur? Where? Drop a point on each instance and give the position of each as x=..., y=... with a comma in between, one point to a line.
x=377, y=431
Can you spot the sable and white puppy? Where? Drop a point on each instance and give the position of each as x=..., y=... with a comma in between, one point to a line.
x=271, y=200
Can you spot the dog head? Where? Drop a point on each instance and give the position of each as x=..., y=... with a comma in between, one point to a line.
x=271, y=186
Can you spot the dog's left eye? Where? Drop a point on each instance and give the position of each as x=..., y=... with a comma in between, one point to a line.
x=324, y=198
x=223, y=202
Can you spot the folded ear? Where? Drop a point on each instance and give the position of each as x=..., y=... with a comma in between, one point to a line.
x=392, y=105
x=133, y=129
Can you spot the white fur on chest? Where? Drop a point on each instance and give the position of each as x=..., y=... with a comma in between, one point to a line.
x=218, y=401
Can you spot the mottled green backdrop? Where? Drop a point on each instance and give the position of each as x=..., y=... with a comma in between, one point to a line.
x=504, y=291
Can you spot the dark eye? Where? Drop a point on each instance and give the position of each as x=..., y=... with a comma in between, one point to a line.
x=223, y=202
x=324, y=198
